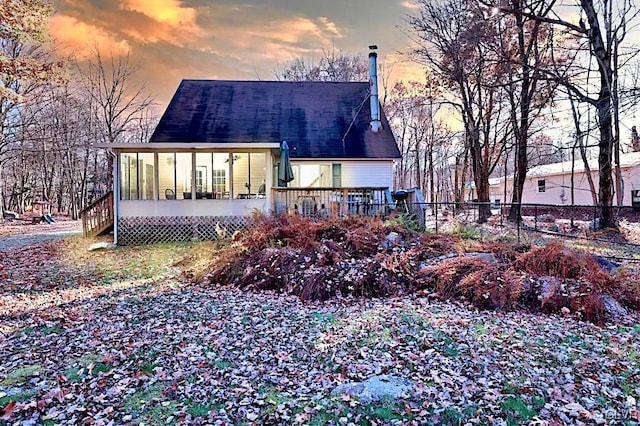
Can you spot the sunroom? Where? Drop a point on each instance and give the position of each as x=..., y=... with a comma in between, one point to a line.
x=189, y=193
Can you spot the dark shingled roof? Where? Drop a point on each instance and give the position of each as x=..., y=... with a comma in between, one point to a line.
x=313, y=117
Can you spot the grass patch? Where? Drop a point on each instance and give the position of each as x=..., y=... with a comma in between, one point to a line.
x=202, y=410
x=17, y=397
x=445, y=344
x=51, y=330
x=325, y=318
x=133, y=262
x=517, y=411
x=142, y=397
x=20, y=375
x=148, y=368
x=73, y=374
x=378, y=412
x=89, y=362
x=222, y=365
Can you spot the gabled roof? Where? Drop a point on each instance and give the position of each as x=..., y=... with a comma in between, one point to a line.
x=626, y=160
x=630, y=159
x=317, y=119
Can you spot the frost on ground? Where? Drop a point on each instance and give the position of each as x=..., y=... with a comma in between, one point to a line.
x=119, y=339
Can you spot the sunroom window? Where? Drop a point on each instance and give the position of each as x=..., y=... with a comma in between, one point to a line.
x=136, y=176
x=212, y=171
x=249, y=175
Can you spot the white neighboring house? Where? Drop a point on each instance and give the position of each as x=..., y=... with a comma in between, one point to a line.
x=214, y=156
x=551, y=183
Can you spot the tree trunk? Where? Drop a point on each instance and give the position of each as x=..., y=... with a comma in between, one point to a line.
x=480, y=176
x=603, y=106
x=1, y=196
x=521, y=162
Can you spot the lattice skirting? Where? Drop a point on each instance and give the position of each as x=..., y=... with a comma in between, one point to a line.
x=150, y=230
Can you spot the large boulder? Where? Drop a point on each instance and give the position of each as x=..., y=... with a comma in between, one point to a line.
x=376, y=388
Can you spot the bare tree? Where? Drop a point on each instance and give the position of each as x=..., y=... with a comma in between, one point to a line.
x=333, y=66
x=452, y=39
x=523, y=47
x=424, y=139
x=604, y=31
x=118, y=102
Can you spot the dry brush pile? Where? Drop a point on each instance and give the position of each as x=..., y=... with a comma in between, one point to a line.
x=366, y=257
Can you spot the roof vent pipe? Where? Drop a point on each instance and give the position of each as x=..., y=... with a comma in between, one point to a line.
x=376, y=126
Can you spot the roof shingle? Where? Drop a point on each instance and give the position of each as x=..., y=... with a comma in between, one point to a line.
x=317, y=119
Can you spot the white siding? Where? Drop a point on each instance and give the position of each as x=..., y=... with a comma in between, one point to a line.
x=555, y=184
x=367, y=174
x=154, y=208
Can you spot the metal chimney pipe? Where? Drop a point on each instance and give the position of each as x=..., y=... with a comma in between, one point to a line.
x=376, y=125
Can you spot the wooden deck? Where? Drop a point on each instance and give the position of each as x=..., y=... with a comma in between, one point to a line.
x=325, y=202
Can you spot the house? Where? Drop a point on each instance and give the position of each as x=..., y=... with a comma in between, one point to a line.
x=552, y=183
x=214, y=157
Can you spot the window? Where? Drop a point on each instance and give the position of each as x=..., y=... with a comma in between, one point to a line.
x=249, y=174
x=541, y=185
x=136, y=176
x=211, y=175
x=311, y=176
x=167, y=176
x=183, y=176
x=336, y=175
x=174, y=176
x=220, y=183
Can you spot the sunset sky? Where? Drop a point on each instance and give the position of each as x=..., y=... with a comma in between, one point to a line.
x=223, y=39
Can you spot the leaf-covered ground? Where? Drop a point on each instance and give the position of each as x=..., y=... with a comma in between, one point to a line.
x=117, y=338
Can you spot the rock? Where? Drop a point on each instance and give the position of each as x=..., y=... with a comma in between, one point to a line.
x=392, y=240
x=551, y=294
x=376, y=388
x=546, y=218
x=9, y=215
x=554, y=228
x=431, y=262
x=102, y=246
x=522, y=247
x=613, y=310
x=487, y=257
x=606, y=264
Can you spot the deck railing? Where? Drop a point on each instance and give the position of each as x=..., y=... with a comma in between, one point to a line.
x=98, y=217
x=325, y=202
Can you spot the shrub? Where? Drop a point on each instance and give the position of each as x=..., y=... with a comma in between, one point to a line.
x=354, y=257
x=546, y=218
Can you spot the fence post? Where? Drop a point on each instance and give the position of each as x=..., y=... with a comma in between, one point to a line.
x=572, y=211
x=519, y=220
x=436, y=212
x=535, y=217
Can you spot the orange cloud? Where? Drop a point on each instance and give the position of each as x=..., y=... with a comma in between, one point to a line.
x=166, y=11
x=167, y=21
x=83, y=38
x=278, y=40
x=410, y=5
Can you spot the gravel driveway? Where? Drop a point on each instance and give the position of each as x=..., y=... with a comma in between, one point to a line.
x=24, y=235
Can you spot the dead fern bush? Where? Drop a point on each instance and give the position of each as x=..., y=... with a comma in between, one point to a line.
x=625, y=288
x=493, y=287
x=446, y=276
x=556, y=260
x=355, y=257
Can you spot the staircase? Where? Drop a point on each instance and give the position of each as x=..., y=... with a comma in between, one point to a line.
x=97, y=218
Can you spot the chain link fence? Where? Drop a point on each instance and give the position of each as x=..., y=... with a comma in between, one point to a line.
x=568, y=222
